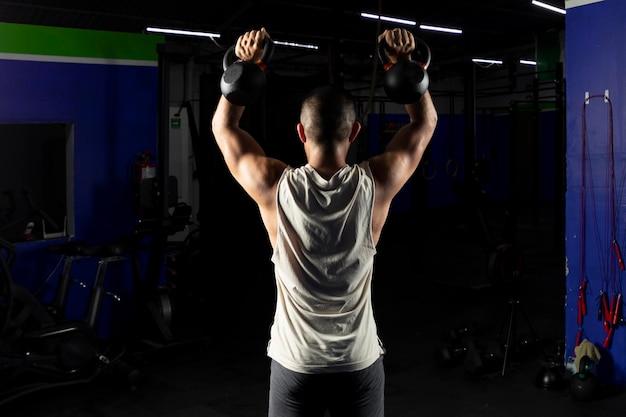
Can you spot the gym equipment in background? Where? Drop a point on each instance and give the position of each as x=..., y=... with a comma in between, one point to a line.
x=551, y=374
x=154, y=300
x=23, y=220
x=512, y=338
x=40, y=348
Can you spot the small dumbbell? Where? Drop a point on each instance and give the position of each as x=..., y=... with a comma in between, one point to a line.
x=484, y=361
x=447, y=354
x=458, y=333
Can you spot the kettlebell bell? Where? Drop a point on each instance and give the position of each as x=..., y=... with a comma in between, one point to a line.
x=584, y=384
x=242, y=83
x=405, y=81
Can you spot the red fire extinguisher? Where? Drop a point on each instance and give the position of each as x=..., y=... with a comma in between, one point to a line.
x=144, y=169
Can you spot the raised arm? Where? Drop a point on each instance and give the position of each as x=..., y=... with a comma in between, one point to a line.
x=393, y=168
x=244, y=157
x=257, y=174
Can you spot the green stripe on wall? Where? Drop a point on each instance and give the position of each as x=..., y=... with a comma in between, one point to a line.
x=48, y=40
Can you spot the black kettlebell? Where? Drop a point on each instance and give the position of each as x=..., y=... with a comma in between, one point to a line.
x=242, y=83
x=584, y=383
x=406, y=81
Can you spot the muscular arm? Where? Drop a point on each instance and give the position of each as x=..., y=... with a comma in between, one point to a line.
x=393, y=168
x=257, y=174
x=244, y=157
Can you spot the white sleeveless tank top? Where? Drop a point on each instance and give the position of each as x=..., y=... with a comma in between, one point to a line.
x=323, y=262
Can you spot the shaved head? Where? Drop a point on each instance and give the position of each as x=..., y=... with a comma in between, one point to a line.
x=328, y=114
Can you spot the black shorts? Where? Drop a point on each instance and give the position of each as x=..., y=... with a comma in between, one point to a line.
x=342, y=394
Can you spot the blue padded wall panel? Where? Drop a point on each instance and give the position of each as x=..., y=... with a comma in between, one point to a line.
x=595, y=55
x=113, y=109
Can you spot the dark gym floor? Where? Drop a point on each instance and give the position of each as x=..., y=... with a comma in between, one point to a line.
x=432, y=279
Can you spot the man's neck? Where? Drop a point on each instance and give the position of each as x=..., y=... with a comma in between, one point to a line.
x=328, y=168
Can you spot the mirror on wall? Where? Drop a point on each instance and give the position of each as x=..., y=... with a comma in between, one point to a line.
x=35, y=180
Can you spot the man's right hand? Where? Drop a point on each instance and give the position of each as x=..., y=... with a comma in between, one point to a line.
x=400, y=44
x=250, y=45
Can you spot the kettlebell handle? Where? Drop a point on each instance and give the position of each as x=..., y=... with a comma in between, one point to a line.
x=268, y=51
x=405, y=81
x=421, y=49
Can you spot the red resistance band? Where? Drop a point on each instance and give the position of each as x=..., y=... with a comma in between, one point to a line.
x=612, y=316
x=618, y=253
x=582, y=302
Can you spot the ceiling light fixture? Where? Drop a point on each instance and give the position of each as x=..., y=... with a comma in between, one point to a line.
x=548, y=6
x=527, y=62
x=410, y=23
x=182, y=32
x=296, y=45
x=486, y=61
x=388, y=19
x=441, y=29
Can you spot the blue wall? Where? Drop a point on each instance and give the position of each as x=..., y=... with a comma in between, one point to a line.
x=595, y=56
x=443, y=168
x=113, y=107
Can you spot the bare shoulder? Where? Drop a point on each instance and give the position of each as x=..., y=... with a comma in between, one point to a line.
x=388, y=176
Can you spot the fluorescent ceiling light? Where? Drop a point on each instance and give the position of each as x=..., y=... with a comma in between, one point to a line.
x=388, y=19
x=548, y=6
x=527, y=62
x=296, y=45
x=182, y=32
x=409, y=23
x=486, y=61
x=440, y=29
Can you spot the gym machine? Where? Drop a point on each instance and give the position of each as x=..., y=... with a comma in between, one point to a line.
x=40, y=348
x=158, y=196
